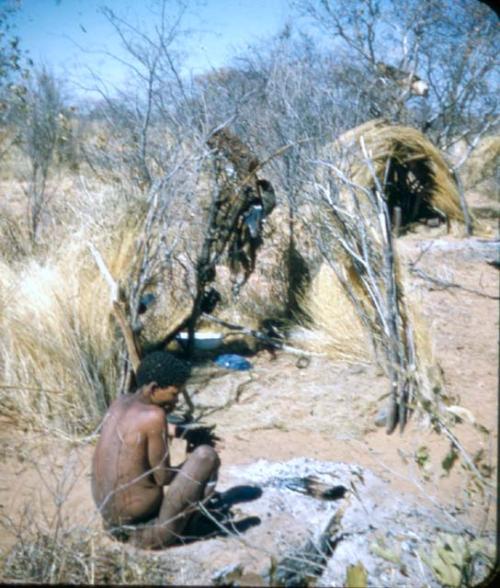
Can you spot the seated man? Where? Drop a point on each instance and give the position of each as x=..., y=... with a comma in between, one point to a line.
x=131, y=462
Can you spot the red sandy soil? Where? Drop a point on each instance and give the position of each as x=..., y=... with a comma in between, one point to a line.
x=325, y=410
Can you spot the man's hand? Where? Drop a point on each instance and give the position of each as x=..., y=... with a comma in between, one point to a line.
x=172, y=431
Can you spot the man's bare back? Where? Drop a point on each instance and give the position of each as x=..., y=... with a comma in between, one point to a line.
x=123, y=482
x=132, y=464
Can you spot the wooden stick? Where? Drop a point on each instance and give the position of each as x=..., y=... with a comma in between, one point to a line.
x=445, y=284
x=118, y=310
x=397, y=220
x=106, y=274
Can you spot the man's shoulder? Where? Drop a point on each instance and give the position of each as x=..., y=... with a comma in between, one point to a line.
x=129, y=405
x=138, y=413
x=151, y=415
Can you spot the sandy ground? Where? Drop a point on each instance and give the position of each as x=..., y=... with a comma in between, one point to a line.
x=326, y=410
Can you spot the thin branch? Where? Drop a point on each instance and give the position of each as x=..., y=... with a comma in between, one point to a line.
x=118, y=310
x=445, y=284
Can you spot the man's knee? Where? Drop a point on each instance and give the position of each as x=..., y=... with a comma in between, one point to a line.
x=207, y=456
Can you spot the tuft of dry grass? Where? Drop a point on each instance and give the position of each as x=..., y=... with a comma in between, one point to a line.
x=57, y=354
x=80, y=556
x=60, y=356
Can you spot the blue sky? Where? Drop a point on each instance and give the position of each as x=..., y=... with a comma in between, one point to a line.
x=54, y=31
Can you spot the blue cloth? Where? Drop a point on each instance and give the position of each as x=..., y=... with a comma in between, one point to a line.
x=231, y=361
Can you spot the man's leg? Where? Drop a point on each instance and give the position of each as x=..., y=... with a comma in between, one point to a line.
x=195, y=482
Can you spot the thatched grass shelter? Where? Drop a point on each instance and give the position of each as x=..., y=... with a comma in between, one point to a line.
x=372, y=179
x=413, y=172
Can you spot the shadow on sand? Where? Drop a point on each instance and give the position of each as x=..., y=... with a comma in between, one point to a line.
x=219, y=521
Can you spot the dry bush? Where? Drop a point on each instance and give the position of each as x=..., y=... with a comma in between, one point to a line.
x=80, y=557
x=58, y=356
x=59, y=353
x=47, y=546
x=13, y=237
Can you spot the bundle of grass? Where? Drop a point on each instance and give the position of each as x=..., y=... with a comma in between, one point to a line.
x=417, y=181
x=61, y=358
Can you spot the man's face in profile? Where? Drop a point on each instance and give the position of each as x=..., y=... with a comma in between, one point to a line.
x=166, y=396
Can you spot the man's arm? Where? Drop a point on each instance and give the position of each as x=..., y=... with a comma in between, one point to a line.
x=158, y=453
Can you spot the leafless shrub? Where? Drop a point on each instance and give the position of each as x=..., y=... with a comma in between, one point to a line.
x=47, y=546
x=40, y=121
x=437, y=41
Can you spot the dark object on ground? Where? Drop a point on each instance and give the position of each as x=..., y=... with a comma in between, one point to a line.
x=210, y=300
x=220, y=520
x=303, y=362
x=231, y=361
x=312, y=486
x=234, y=495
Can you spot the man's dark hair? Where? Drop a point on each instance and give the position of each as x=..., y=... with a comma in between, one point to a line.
x=163, y=368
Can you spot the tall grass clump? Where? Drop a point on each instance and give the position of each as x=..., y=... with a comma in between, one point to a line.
x=57, y=352
x=60, y=353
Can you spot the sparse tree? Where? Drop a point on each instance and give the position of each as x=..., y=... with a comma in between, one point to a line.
x=452, y=45
x=41, y=127
x=13, y=75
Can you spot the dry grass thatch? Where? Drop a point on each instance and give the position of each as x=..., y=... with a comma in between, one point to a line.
x=332, y=325
x=415, y=169
x=353, y=216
